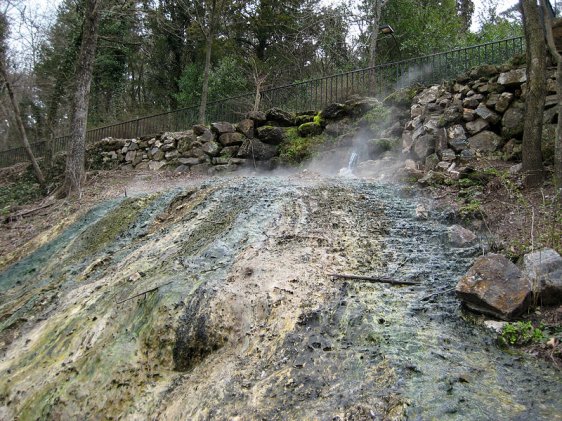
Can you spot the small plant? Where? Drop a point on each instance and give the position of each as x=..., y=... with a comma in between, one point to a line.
x=472, y=209
x=521, y=333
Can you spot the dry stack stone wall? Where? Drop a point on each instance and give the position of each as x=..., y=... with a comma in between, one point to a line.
x=479, y=114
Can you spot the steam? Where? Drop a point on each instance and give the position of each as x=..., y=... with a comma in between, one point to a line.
x=413, y=75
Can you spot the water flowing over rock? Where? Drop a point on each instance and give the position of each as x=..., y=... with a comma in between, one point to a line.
x=495, y=286
x=214, y=301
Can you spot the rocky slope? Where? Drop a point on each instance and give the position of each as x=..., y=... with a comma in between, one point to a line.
x=215, y=302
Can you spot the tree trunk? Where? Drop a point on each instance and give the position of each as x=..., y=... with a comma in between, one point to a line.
x=375, y=23
x=534, y=103
x=75, y=171
x=206, y=73
x=558, y=140
x=21, y=127
x=558, y=58
x=14, y=103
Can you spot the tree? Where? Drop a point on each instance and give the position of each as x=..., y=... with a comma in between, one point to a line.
x=75, y=162
x=211, y=11
x=14, y=103
x=373, y=10
x=549, y=22
x=536, y=85
x=465, y=10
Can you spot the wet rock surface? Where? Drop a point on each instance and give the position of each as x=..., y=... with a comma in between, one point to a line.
x=214, y=302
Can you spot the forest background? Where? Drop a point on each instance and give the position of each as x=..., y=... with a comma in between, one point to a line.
x=151, y=54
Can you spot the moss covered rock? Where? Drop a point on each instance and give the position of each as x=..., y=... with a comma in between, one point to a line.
x=309, y=129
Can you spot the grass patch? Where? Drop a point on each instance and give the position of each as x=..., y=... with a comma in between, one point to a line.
x=18, y=193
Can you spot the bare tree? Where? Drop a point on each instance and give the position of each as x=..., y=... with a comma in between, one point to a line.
x=14, y=103
x=75, y=163
x=374, y=18
x=536, y=82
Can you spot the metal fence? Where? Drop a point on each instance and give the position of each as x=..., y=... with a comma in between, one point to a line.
x=308, y=95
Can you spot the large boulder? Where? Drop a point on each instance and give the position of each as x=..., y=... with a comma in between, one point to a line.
x=358, y=106
x=457, y=137
x=513, y=77
x=428, y=95
x=485, y=113
x=424, y=146
x=246, y=127
x=185, y=142
x=485, y=141
x=476, y=126
x=270, y=134
x=334, y=111
x=309, y=129
x=258, y=117
x=503, y=102
x=109, y=144
x=222, y=127
x=211, y=148
x=156, y=154
x=281, y=117
x=460, y=237
x=231, y=139
x=543, y=268
x=255, y=149
x=513, y=121
x=494, y=286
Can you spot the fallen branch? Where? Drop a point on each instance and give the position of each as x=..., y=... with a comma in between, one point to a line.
x=144, y=292
x=380, y=279
x=26, y=212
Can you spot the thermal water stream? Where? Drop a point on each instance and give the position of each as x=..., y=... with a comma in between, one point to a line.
x=214, y=302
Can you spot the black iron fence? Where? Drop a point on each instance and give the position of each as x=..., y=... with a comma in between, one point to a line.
x=307, y=95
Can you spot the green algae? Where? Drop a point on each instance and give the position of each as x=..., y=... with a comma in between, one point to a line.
x=112, y=226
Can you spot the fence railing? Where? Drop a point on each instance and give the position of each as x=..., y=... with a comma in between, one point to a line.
x=312, y=94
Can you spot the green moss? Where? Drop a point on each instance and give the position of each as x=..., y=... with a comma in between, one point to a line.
x=376, y=116
x=296, y=149
x=309, y=129
x=113, y=225
x=301, y=119
x=384, y=144
x=319, y=120
x=472, y=209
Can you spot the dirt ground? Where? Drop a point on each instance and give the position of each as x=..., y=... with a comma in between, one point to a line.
x=25, y=222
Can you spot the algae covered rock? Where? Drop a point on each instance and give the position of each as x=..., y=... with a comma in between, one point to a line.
x=309, y=129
